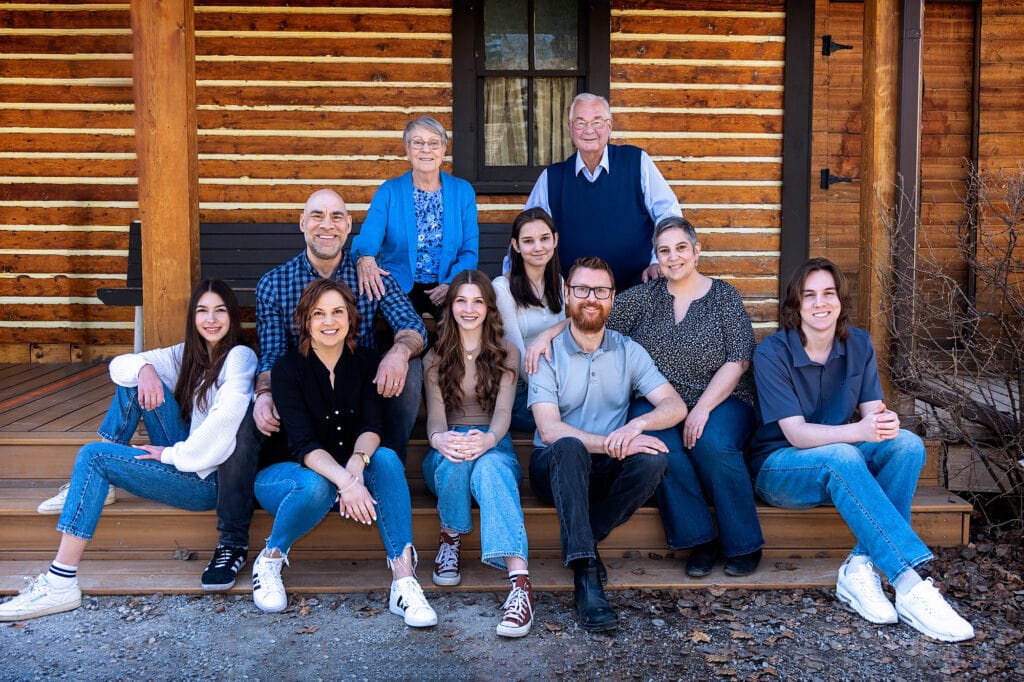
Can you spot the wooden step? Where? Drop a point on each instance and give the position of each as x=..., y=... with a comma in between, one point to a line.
x=139, y=528
x=144, y=576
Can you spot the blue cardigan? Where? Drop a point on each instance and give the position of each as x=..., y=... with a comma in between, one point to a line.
x=389, y=231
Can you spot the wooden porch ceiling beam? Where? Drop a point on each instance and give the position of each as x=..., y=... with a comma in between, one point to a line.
x=878, y=163
x=163, y=73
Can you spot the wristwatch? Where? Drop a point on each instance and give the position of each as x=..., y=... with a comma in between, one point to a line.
x=363, y=456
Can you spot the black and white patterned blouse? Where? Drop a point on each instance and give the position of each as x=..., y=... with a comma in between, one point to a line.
x=716, y=330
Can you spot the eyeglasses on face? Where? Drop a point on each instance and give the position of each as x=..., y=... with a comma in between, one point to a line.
x=597, y=124
x=600, y=293
x=433, y=145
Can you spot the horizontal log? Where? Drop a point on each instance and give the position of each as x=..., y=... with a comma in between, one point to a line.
x=295, y=20
x=698, y=147
x=63, y=18
x=33, y=191
x=72, y=68
x=642, y=73
x=71, y=167
x=69, y=43
x=67, y=215
x=50, y=263
x=302, y=94
x=29, y=335
x=699, y=25
x=60, y=285
x=720, y=170
x=86, y=92
x=726, y=194
x=695, y=122
x=637, y=95
x=67, y=142
x=624, y=47
x=300, y=70
x=64, y=312
x=98, y=239
x=410, y=45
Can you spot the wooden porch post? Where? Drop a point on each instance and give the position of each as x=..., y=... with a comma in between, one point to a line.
x=163, y=74
x=878, y=165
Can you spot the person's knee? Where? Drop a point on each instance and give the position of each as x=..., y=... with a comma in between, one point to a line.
x=491, y=473
x=651, y=467
x=910, y=447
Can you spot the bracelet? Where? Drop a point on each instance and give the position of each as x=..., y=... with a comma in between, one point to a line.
x=345, y=487
x=430, y=438
x=261, y=391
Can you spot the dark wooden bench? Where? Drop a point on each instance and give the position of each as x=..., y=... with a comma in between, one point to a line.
x=241, y=253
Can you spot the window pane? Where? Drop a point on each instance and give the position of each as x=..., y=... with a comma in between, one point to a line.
x=505, y=121
x=555, y=26
x=506, y=43
x=551, y=134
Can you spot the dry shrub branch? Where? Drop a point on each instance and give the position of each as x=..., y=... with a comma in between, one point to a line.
x=958, y=336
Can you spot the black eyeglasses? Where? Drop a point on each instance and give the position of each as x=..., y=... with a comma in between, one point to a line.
x=600, y=293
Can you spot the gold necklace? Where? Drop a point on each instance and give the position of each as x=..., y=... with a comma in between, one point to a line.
x=469, y=353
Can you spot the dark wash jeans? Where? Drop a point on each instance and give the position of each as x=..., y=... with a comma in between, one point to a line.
x=237, y=476
x=593, y=493
x=714, y=471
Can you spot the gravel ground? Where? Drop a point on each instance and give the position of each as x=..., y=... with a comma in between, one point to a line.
x=708, y=634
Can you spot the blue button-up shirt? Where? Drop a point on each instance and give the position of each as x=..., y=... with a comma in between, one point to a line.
x=790, y=384
x=593, y=390
x=278, y=293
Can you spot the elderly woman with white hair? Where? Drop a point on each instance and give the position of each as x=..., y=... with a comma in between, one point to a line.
x=421, y=226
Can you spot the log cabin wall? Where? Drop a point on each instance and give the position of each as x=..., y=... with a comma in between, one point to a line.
x=294, y=98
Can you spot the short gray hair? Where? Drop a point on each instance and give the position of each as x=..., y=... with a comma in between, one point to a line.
x=589, y=97
x=428, y=123
x=671, y=222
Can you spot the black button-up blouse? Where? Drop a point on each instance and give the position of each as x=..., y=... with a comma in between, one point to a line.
x=316, y=415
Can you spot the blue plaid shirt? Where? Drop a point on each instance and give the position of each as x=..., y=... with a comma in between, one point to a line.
x=278, y=293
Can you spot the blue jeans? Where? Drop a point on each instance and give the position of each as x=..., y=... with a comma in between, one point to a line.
x=592, y=493
x=299, y=498
x=713, y=470
x=493, y=481
x=400, y=412
x=522, y=416
x=101, y=464
x=871, y=485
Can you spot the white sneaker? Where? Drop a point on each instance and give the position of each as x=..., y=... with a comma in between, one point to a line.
x=55, y=505
x=860, y=588
x=407, y=600
x=40, y=598
x=925, y=610
x=267, y=589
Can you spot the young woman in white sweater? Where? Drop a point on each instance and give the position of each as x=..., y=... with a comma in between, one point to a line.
x=530, y=295
x=191, y=397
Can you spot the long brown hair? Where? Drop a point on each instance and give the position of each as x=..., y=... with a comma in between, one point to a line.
x=200, y=367
x=519, y=284
x=304, y=309
x=491, y=357
x=789, y=316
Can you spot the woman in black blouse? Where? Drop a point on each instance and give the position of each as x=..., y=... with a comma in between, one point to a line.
x=331, y=413
x=699, y=336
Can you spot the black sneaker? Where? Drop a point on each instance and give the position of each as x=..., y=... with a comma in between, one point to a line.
x=223, y=567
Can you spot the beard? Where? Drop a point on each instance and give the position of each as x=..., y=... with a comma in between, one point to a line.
x=588, y=319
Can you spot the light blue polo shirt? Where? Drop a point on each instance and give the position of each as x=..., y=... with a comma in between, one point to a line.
x=593, y=390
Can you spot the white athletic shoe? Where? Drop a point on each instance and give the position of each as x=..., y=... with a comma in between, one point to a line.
x=55, y=504
x=267, y=588
x=925, y=610
x=40, y=598
x=407, y=600
x=860, y=588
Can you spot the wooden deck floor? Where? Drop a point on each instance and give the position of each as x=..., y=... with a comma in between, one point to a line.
x=54, y=399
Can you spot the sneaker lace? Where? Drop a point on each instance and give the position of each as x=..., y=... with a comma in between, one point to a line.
x=35, y=582
x=222, y=556
x=448, y=558
x=931, y=600
x=413, y=594
x=517, y=606
x=867, y=582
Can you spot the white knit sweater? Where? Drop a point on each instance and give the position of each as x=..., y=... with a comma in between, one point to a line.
x=211, y=438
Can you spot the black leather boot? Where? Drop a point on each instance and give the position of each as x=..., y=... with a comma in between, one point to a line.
x=602, y=572
x=592, y=607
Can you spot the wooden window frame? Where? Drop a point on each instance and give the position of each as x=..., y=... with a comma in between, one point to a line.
x=467, y=96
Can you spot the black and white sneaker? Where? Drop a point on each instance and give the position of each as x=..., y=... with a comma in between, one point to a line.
x=224, y=566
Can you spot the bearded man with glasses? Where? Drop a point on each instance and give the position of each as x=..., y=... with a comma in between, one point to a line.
x=605, y=198
x=592, y=464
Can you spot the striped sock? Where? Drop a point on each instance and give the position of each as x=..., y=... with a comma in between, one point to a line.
x=62, y=576
x=512, y=575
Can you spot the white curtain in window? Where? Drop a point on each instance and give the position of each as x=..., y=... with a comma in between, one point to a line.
x=505, y=121
x=551, y=134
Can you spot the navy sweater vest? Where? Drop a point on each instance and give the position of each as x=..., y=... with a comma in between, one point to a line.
x=605, y=218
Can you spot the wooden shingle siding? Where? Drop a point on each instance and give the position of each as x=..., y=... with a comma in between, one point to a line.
x=699, y=86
